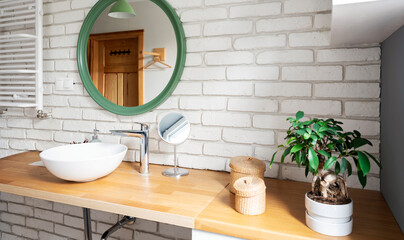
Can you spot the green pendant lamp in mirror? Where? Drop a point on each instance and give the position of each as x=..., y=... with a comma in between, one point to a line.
x=121, y=9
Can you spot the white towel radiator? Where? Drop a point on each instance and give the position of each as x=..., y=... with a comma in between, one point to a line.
x=21, y=73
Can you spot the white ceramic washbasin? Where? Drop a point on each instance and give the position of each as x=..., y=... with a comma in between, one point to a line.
x=83, y=162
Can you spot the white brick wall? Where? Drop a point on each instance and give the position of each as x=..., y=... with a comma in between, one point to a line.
x=257, y=10
x=228, y=28
x=250, y=65
x=203, y=14
x=253, y=73
x=285, y=56
x=310, y=73
x=258, y=42
x=284, y=24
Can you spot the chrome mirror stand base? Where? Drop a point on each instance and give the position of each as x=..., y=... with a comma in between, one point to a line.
x=175, y=172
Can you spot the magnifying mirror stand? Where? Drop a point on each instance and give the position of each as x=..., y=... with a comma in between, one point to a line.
x=175, y=171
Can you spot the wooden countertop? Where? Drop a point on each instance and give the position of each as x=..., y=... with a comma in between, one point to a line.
x=125, y=191
x=200, y=200
x=284, y=218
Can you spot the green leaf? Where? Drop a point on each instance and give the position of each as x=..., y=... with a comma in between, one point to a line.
x=359, y=142
x=337, y=128
x=337, y=168
x=340, y=147
x=309, y=131
x=306, y=171
x=299, y=115
x=285, y=153
x=364, y=163
x=322, y=124
x=331, y=146
x=374, y=159
x=349, y=167
x=314, y=137
x=298, y=160
x=306, y=136
x=316, y=127
x=296, y=148
x=301, y=131
x=358, y=134
x=330, y=162
x=344, y=164
x=272, y=160
x=332, y=131
x=313, y=142
x=303, y=158
x=362, y=178
x=313, y=171
x=323, y=129
x=313, y=159
x=290, y=140
x=306, y=123
x=324, y=153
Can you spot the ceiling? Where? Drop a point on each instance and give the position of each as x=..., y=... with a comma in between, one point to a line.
x=365, y=21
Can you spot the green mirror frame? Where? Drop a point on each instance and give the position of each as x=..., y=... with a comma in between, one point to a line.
x=84, y=72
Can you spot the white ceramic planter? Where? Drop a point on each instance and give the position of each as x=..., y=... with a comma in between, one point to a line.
x=332, y=220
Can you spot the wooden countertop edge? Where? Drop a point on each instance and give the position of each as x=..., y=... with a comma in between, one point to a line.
x=183, y=221
x=204, y=224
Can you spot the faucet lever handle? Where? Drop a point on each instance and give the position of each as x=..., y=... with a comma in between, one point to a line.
x=143, y=126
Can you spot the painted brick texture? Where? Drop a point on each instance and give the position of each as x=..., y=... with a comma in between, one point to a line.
x=250, y=65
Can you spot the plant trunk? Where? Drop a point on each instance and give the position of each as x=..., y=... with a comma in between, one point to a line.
x=330, y=188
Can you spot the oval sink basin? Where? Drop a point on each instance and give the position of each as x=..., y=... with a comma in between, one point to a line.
x=83, y=162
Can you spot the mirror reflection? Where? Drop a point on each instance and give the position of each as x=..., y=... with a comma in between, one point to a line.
x=131, y=60
x=174, y=128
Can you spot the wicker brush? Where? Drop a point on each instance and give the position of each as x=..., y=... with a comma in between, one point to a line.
x=250, y=195
x=244, y=166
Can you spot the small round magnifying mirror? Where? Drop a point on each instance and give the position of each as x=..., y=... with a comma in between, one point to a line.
x=174, y=129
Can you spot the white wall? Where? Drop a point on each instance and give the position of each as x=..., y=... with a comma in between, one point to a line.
x=382, y=18
x=250, y=64
x=159, y=33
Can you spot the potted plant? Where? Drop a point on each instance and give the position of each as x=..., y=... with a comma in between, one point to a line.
x=325, y=150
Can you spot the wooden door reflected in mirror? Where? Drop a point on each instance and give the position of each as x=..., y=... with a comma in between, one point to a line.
x=116, y=66
x=151, y=77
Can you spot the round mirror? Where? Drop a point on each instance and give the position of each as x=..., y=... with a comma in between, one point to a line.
x=174, y=128
x=131, y=63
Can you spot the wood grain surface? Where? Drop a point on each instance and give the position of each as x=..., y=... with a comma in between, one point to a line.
x=125, y=191
x=284, y=218
x=200, y=200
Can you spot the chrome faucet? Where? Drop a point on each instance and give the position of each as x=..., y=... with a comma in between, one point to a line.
x=143, y=135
